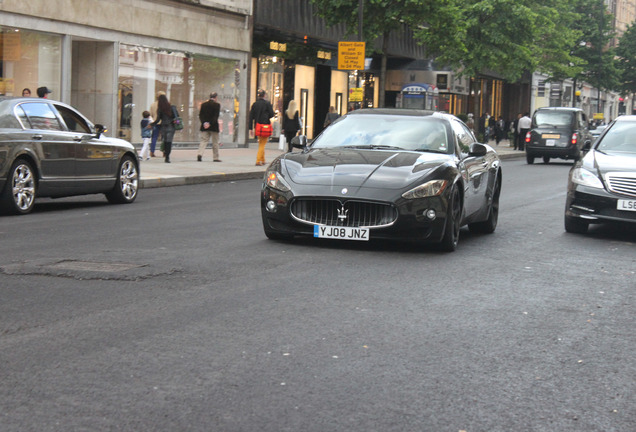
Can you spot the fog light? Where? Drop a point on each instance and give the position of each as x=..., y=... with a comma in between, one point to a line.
x=430, y=213
x=270, y=206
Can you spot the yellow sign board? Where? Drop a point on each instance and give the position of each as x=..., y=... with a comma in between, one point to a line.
x=599, y=116
x=356, y=94
x=351, y=55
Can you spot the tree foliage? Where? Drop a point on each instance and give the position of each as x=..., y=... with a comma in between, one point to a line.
x=626, y=54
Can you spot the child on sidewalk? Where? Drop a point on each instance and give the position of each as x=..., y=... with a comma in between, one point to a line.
x=146, y=135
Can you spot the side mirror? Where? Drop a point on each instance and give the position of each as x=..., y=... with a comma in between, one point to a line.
x=587, y=145
x=99, y=130
x=477, y=149
x=299, y=141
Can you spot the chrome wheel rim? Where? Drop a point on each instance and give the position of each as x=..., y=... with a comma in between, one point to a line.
x=128, y=180
x=23, y=187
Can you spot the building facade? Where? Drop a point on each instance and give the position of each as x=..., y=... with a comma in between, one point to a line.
x=109, y=58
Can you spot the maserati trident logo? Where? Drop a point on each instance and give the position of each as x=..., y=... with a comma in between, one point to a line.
x=342, y=213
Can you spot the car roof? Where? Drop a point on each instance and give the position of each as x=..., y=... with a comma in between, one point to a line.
x=569, y=109
x=626, y=118
x=391, y=111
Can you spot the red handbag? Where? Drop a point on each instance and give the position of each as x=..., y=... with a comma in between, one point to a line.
x=263, y=130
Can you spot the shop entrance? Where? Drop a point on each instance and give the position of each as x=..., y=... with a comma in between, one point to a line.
x=323, y=97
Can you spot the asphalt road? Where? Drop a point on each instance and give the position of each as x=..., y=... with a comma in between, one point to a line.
x=177, y=314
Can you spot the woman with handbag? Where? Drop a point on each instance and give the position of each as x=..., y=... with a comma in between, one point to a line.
x=291, y=123
x=260, y=113
x=166, y=116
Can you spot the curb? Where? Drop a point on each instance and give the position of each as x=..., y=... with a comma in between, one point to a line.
x=157, y=182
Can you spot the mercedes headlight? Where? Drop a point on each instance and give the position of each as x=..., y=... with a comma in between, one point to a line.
x=428, y=189
x=586, y=178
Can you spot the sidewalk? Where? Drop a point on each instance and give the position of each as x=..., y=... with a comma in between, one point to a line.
x=237, y=164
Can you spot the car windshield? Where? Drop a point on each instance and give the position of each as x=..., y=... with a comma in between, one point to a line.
x=552, y=118
x=621, y=138
x=370, y=131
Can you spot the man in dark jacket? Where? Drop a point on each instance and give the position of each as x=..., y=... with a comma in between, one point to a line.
x=209, y=116
x=260, y=113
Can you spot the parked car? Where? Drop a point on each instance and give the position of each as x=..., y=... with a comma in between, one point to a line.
x=557, y=132
x=384, y=174
x=597, y=131
x=49, y=149
x=602, y=185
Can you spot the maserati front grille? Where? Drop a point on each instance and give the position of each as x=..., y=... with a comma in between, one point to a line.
x=622, y=183
x=348, y=213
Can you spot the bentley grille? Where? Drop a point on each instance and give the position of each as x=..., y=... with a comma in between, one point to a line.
x=624, y=184
x=345, y=213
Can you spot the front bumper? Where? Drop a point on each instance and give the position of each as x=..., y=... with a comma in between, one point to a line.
x=595, y=205
x=411, y=224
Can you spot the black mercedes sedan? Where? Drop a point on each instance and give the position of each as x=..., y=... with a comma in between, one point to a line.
x=409, y=175
x=602, y=185
x=49, y=149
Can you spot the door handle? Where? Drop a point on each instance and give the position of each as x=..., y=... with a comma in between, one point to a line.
x=36, y=137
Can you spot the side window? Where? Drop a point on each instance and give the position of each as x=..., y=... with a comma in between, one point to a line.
x=41, y=116
x=464, y=136
x=74, y=122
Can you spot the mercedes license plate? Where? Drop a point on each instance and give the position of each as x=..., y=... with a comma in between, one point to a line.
x=628, y=205
x=342, y=233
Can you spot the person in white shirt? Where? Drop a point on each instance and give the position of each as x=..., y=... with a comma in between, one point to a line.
x=523, y=127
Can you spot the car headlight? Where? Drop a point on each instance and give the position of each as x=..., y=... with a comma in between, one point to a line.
x=428, y=189
x=586, y=178
x=276, y=181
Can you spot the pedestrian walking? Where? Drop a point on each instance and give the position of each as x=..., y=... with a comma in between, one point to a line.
x=146, y=135
x=209, y=117
x=500, y=129
x=260, y=115
x=515, y=132
x=26, y=92
x=156, y=130
x=524, y=127
x=43, y=92
x=331, y=116
x=291, y=123
x=166, y=114
x=470, y=122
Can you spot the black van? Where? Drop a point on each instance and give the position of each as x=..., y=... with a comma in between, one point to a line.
x=557, y=132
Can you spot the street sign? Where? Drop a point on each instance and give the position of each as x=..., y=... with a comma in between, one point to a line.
x=356, y=94
x=351, y=55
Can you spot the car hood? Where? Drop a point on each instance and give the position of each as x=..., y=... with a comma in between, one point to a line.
x=360, y=168
x=604, y=162
x=116, y=141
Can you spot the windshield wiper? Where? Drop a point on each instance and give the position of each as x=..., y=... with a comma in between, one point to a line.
x=428, y=150
x=375, y=147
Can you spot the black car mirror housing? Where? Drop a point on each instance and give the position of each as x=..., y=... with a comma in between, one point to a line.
x=299, y=141
x=477, y=149
x=99, y=130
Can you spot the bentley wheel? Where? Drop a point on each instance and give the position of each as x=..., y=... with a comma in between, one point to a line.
x=453, y=222
x=489, y=225
x=575, y=225
x=20, y=190
x=127, y=183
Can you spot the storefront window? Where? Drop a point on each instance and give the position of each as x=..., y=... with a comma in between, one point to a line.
x=29, y=60
x=187, y=81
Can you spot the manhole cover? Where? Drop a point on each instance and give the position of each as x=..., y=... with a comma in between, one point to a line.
x=93, y=266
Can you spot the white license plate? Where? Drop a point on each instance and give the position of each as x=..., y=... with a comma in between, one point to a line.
x=550, y=143
x=343, y=233
x=628, y=205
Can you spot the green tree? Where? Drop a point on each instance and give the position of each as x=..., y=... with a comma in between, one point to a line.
x=381, y=17
x=626, y=61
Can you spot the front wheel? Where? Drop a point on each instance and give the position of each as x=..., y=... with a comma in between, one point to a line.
x=575, y=225
x=127, y=183
x=20, y=190
x=453, y=222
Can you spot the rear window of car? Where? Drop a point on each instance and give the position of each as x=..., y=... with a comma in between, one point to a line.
x=38, y=116
x=553, y=118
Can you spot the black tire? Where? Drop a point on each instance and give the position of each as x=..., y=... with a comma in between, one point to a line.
x=529, y=159
x=546, y=160
x=127, y=184
x=453, y=222
x=489, y=225
x=575, y=225
x=20, y=189
x=277, y=236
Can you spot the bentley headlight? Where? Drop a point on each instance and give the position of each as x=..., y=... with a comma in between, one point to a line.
x=274, y=180
x=428, y=189
x=586, y=178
